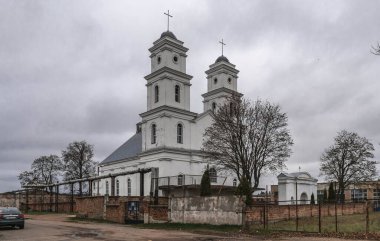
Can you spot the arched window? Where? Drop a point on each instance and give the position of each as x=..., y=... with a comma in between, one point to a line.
x=156, y=93
x=212, y=173
x=129, y=187
x=153, y=134
x=179, y=133
x=117, y=188
x=107, y=188
x=177, y=92
x=213, y=106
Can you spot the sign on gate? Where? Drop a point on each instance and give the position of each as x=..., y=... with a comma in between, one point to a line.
x=132, y=214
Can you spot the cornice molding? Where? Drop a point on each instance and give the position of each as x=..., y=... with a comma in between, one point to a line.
x=166, y=69
x=220, y=90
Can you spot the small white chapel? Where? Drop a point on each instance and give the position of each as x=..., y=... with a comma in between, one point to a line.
x=296, y=188
x=169, y=137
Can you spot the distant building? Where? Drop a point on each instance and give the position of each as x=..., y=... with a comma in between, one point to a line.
x=356, y=192
x=296, y=187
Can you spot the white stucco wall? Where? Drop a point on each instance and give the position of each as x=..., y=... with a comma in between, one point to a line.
x=292, y=188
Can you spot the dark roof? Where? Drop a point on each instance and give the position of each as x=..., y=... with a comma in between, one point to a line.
x=130, y=148
x=221, y=58
x=168, y=34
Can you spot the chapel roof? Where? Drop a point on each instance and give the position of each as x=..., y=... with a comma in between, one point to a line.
x=168, y=34
x=222, y=58
x=300, y=175
x=131, y=148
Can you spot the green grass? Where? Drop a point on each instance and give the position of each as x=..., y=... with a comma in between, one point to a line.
x=346, y=224
x=192, y=227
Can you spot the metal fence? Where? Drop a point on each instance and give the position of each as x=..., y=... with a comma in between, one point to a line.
x=182, y=180
x=60, y=196
x=348, y=216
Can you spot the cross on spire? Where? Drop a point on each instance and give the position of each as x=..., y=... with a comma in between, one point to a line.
x=222, y=43
x=169, y=16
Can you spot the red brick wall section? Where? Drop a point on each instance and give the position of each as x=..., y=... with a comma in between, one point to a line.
x=44, y=201
x=285, y=212
x=158, y=213
x=91, y=207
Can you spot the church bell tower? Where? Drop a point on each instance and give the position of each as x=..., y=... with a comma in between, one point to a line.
x=167, y=121
x=168, y=84
x=221, y=83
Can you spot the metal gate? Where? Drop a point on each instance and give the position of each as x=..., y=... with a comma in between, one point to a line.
x=132, y=214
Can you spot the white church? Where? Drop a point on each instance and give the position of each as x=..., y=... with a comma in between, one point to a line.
x=169, y=137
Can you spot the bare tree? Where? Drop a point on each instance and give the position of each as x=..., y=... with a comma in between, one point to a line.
x=78, y=161
x=49, y=168
x=376, y=50
x=348, y=161
x=27, y=178
x=44, y=170
x=248, y=139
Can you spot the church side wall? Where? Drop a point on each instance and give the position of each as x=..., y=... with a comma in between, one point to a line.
x=169, y=164
x=197, y=131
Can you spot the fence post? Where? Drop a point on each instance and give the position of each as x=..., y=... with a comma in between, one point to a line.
x=367, y=218
x=264, y=215
x=51, y=198
x=336, y=218
x=56, y=198
x=319, y=217
x=41, y=200
x=72, y=198
x=296, y=215
x=27, y=200
x=267, y=216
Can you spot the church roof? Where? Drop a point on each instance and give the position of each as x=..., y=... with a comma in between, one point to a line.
x=168, y=34
x=221, y=58
x=130, y=148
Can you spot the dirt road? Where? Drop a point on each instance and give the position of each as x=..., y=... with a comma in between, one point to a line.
x=55, y=228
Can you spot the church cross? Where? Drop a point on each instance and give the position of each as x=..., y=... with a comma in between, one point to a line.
x=169, y=16
x=222, y=43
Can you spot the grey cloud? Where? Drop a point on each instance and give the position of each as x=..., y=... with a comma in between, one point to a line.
x=75, y=71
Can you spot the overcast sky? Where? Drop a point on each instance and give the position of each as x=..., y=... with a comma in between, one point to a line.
x=73, y=70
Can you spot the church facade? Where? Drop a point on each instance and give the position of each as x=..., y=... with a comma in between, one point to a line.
x=169, y=137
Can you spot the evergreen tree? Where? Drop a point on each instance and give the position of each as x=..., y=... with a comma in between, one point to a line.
x=324, y=195
x=332, y=195
x=206, y=184
x=244, y=189
x=312, y=200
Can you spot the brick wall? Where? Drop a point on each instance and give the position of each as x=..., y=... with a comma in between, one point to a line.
x=115, y=208
x=285, y=212
x=158, y=213
x=210, y=210
x=91, y=207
